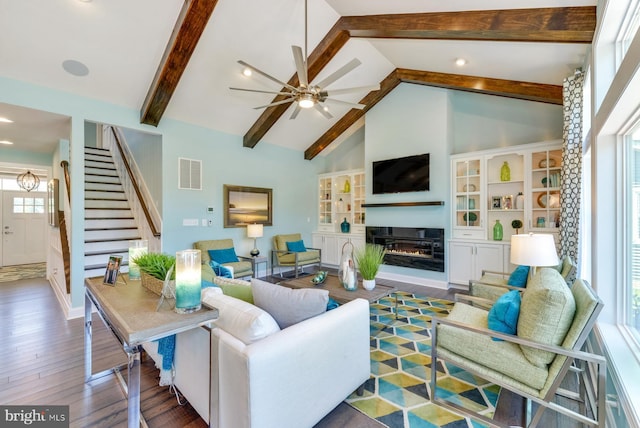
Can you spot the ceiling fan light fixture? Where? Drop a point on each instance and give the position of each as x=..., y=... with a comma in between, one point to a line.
x=246, y=72
x=460, y=62
x=306, y=101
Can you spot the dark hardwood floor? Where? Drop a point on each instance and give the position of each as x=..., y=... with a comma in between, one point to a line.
x=42, y=363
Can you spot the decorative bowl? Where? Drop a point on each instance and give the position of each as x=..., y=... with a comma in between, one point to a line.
x=319, y=277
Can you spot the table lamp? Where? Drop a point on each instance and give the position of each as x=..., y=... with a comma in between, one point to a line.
x=255, y=231
x=533, y=250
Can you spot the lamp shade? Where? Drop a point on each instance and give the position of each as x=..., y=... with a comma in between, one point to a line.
x=255, y=230
x=533, y=250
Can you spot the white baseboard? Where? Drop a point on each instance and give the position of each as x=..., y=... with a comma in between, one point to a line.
x=63, y=299
x=427, y=282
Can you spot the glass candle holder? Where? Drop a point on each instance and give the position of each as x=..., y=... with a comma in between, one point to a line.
x=136, y=249
x=188, y=281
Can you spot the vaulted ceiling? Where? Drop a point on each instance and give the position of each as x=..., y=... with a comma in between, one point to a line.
x=177, y=59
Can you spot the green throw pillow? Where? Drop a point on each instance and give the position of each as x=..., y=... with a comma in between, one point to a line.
x=242, y=292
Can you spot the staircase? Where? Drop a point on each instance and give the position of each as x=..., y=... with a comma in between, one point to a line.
x=109, y=222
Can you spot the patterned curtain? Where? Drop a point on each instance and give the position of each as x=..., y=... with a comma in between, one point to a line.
x=571, y=173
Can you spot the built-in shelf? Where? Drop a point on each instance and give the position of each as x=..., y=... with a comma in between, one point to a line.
x=405, y=204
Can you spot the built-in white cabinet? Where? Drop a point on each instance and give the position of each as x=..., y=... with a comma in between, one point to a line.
x=331, y=245
x=516, y=183
x=467, y=259
x=340, y=197
x=500, y=185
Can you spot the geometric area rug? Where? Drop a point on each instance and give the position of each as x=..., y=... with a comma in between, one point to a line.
x=28, y=271
x=397, y=393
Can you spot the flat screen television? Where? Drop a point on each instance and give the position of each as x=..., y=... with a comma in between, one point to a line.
x=406, y=174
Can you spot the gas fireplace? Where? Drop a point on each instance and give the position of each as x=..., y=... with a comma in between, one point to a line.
x=418, y=248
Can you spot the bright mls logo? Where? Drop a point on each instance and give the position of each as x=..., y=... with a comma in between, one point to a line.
x=34, y=416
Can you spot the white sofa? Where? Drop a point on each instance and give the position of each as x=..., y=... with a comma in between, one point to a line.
x=291, y=378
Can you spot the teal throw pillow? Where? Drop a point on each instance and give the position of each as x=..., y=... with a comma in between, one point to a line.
x=226, y=255
x=220, y=270
x=206, y=284
x=296, y=246
x=332, y=304
x=518, y=277
x=503, y=315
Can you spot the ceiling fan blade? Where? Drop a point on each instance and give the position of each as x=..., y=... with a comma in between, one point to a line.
x=288, y=100
x=295, y=112
x=321, y=109
x=301, y=65
x=261, y=91
x=339, y=73
x=352, y=105
x=286, y=85
x=333, y=92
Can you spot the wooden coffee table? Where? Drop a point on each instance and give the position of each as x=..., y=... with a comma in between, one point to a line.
x=337, y=291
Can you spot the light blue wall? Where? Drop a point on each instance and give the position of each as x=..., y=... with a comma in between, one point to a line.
x=411, y=120
x=348, y=155
x=486, y=122
x=146, y=150
x=225, y=161
x=9, y=155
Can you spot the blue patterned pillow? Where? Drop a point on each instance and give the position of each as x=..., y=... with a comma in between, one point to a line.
x=226, y=255
x=518, y=277
x=503, y=315
x=296, y=246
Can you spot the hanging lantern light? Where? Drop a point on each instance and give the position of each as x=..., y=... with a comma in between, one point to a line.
x=28, y=181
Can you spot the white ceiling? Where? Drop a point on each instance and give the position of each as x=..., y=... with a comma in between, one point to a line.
x=122, y=42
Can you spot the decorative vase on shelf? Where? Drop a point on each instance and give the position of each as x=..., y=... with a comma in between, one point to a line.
x=347, y=187
x=497, y=231
x=345, y=226
x=520, y=201
x=505, y=172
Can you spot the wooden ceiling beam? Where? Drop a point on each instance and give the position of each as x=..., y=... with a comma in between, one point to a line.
x=558, y=25
x=538, y=92
x=186, y=33
x=352, y=116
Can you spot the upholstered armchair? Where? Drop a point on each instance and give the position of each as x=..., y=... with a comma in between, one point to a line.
x=290, y=251
x=494, y=284
x=241, y=266
x=533, y=351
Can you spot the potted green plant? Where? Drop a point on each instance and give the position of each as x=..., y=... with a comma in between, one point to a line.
x=153, y=270
x=369, y=258
x=471, y=216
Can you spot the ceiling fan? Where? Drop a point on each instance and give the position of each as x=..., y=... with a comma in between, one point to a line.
x=307, y=95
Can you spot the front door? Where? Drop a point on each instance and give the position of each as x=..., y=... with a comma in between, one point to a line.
x=23, y=227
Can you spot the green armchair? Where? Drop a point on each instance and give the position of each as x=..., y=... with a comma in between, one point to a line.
x=553, y=324
x=242, y=268
x=494, y=284
x=281, y=256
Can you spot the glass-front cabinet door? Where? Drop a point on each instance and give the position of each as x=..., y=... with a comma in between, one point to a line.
x=358, y=199
x=545, y=190
x=325, y=204
x=467, y=196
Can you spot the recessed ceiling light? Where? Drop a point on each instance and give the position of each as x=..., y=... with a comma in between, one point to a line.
x=246, y=71
x=460, y=62
x=75, y=68
x=8, y=143
x=5, y=120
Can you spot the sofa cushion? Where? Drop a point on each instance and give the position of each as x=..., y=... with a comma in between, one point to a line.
x=289, y=306
x=503, y=315
x=305, y=257
x=243, y=320
x=224, y=255
x=296, y=246
x=242, y=292
x=546, y=313
x=518, y=277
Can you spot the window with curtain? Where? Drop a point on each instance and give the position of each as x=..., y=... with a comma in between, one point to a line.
x=632, y=232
